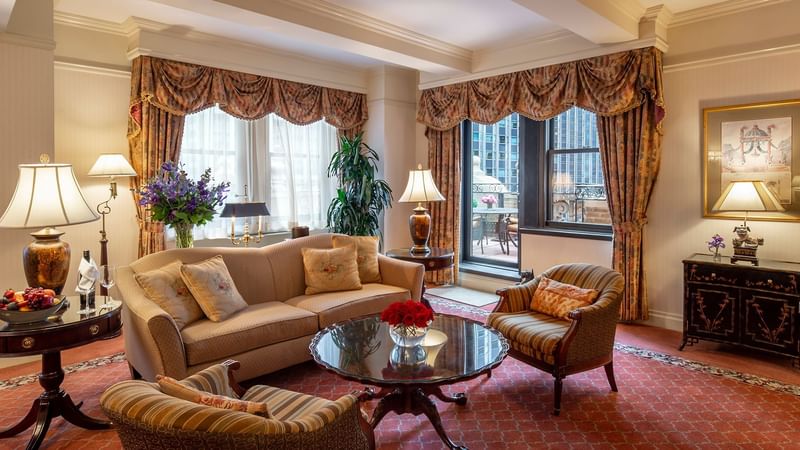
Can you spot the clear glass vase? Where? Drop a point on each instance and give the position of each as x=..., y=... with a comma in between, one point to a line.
x=183, y=235
x=407, y=336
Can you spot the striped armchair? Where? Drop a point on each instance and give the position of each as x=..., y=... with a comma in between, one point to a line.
x=146, y=418
x=555, y=345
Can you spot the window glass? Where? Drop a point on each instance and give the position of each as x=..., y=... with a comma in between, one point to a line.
x=282, y=164
x=576, y=190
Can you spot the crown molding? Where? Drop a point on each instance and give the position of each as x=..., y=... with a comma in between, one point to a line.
x=719, y=9
x=562, y=57
x=149, y=38
x=700, y=63
x=91, y=24
x=27, y=41
x=90, y=67
x=543, y=39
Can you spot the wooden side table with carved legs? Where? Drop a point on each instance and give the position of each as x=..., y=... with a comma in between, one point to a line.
x=48, y=338
x=437, y=259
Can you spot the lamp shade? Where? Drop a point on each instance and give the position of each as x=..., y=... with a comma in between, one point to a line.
x=47, y=195
x=246, y=209
x=112, y=165
x=747, y=195
x=421, y=188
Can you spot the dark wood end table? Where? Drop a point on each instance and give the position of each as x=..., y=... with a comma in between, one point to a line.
x=456, y=349
x=66, y=330
x=437, y=259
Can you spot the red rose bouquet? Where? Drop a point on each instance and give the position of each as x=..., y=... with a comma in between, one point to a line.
x=405, y=317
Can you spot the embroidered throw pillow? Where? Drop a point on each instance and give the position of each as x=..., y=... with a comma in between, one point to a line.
x=366, y=255
x=558, y=299
x=165, y=287
x=329, y=270
x=175, y=388
x=212, y=286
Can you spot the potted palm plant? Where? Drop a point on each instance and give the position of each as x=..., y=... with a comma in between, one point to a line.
x=360, y=198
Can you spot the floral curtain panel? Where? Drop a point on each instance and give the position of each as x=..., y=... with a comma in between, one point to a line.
x=163, y=91
x=623, y=89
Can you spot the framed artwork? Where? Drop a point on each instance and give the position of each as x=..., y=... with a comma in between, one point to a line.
x=758, y=141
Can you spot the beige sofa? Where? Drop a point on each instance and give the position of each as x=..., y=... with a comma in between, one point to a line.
x=273, y=332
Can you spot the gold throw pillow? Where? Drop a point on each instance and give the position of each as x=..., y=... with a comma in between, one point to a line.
x=366, y=255
x=165, y=287
x=329, y=270
x=175, y=388
x=558, y=299
x=212, y=286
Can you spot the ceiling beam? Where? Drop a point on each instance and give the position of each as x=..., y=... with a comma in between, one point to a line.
x=320, y=23
x=599, y=21
x=5, y=13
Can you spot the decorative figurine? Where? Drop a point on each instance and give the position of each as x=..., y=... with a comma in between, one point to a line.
x=744, y=246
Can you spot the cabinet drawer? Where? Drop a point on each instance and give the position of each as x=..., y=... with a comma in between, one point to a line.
x=713, y=274
x=769, y=321
x=784, y=283
x=711, y=311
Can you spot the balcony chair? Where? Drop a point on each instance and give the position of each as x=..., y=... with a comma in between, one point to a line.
x=147, y=418
x=563, y=347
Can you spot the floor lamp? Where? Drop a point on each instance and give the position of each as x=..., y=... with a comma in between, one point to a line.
x=109, y=165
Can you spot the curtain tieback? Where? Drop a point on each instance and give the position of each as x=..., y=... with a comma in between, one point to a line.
x=151, y=227
x=629, y=227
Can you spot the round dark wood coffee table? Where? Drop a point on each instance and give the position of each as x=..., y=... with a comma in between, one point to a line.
x=456, y=349
x=66, y=330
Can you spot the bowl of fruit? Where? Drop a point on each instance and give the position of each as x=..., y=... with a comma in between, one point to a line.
x=30, y=305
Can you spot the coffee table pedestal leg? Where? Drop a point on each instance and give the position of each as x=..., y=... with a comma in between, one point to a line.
x=53, y=402
x=414, y=400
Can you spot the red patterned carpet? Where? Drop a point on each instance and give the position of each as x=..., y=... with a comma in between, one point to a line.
x=664, y=402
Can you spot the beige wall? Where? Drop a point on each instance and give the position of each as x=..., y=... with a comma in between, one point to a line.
x=91, y=118
x=26, y=115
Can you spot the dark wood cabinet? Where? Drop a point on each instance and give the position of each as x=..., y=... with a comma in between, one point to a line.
x=741, y=304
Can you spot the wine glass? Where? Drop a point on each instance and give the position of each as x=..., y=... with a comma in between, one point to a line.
x=107, y=276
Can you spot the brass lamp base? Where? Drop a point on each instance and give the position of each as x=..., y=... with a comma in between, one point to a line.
x=744, y=246
x=419, y=224
x=46, y=260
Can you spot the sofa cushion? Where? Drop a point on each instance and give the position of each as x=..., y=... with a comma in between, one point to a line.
x=531, y=333
x=256, y=326
x=175, y=388
x=212, y=286
x=559, y=299
x=166, y=288
x=330, y=270
x=366, y=255
x=334, y=307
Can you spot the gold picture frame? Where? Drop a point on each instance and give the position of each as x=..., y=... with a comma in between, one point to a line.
x=753, y=141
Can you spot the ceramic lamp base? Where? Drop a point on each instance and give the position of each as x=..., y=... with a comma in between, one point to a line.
x=419, y=224
x=46, y=260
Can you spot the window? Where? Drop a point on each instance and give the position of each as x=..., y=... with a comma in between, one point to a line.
x=283, y=164
x=575, y=191
x=546, y=177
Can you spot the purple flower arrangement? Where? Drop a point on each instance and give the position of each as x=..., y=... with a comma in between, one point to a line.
x=175, y=199
x=717, y=242
x=489, y=200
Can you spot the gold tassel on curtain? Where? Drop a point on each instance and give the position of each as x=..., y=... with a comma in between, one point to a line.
x=444, y=160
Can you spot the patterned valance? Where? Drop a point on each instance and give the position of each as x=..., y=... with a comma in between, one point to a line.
x=182, y=88
x=606, y=85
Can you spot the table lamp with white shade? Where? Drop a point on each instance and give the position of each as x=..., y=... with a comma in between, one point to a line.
x=746, y=196
x=111, y=165
x=420, y=189
x=47, y=195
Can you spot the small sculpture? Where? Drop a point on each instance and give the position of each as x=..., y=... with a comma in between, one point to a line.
x=744, y=246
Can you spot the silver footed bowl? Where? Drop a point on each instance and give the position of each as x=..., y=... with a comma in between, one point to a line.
x=31, y=316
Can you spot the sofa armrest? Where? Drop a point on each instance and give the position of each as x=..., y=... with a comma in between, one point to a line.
x=402, y=274
x=153, y=343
